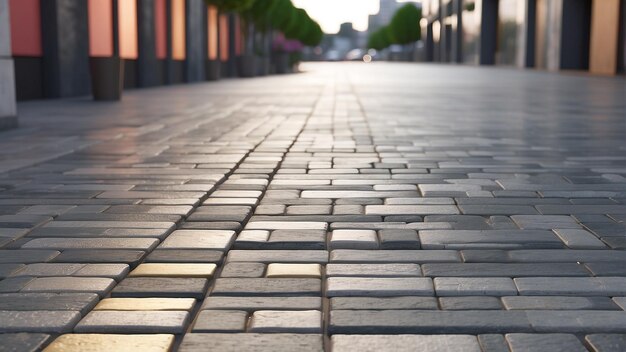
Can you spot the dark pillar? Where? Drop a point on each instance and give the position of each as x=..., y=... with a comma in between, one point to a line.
x=232, y=46
x=8, y=111
x=196, y=40
x=65, y=39
x=457, y=44
x=148, y=67
x=488, y=32
x=531, y=30
x=430, y=44
x=575, y=34
x=175, y=71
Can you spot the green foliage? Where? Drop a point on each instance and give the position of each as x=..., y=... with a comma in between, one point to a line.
x=294, y=22
x=259, y=13
x=405, y=25
x=231, y=5
x=376, y=41
x=381, y=39
x=280, y=15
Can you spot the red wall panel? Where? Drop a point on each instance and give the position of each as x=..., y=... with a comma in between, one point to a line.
x=25, y=18
x=100, y=27
x=160, y=25
x=212, y=32
x=223, y=37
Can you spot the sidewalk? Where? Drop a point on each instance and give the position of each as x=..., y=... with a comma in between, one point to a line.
x=468, y=209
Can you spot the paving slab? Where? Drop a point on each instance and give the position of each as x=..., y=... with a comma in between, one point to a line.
x=405, y=343
x=133, y=322
x=324, y=209
x=111, y=342
x=259, y=342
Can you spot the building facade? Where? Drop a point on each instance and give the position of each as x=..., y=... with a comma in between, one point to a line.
x=159, y=41
x=583, y=35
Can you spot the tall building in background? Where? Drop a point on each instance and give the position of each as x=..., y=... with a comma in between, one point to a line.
x=384, y=15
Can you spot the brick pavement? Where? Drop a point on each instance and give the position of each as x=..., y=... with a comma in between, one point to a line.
x=385, y=207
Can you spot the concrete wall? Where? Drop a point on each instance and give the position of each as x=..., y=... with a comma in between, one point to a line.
x=8, y=111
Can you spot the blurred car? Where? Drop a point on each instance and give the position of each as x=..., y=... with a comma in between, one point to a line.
x=332, y=55
x=355, y=55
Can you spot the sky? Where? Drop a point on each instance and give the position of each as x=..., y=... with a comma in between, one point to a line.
x=331, y=13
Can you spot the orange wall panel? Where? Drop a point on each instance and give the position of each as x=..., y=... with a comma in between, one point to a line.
x=223, y=37
x=127, y=26
x=100, y=27
x=25, y=18
x=178, y=29
x=160, y=25
x=212, y=33
x=604, y=37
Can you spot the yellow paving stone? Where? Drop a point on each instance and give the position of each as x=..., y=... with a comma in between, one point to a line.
x=111, y=342
x=294, y=270
x=173, y=270
x=146, y=304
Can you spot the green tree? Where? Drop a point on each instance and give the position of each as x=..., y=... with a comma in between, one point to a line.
x=405, y=25
x=231, y=5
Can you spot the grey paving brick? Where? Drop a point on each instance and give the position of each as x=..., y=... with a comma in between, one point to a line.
x=278, y=256
x=373, y=270
x=474, y=286
x=399, y=239
x=393, y=256
x=544, y=342
x=557, y=303
x=544, y=256
x=470, y=303
x=577, y=321
x=506, y=239
x=405, y=343
x=22, y=342
x=493, y=343
x=14, y=284
x=243, y=270
x=100, y=286
x=82, y=302
x=427, y=322
x=545, y=222
x=503, y=269
x=571, y=286
x=255, y=303
x=261, y=342
x=26, y=255
x=38, y=321
x=378, y=287
x=606, y=342
x=161, y=287
x=579, y=239
x=221, y=321
x=266, y=287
